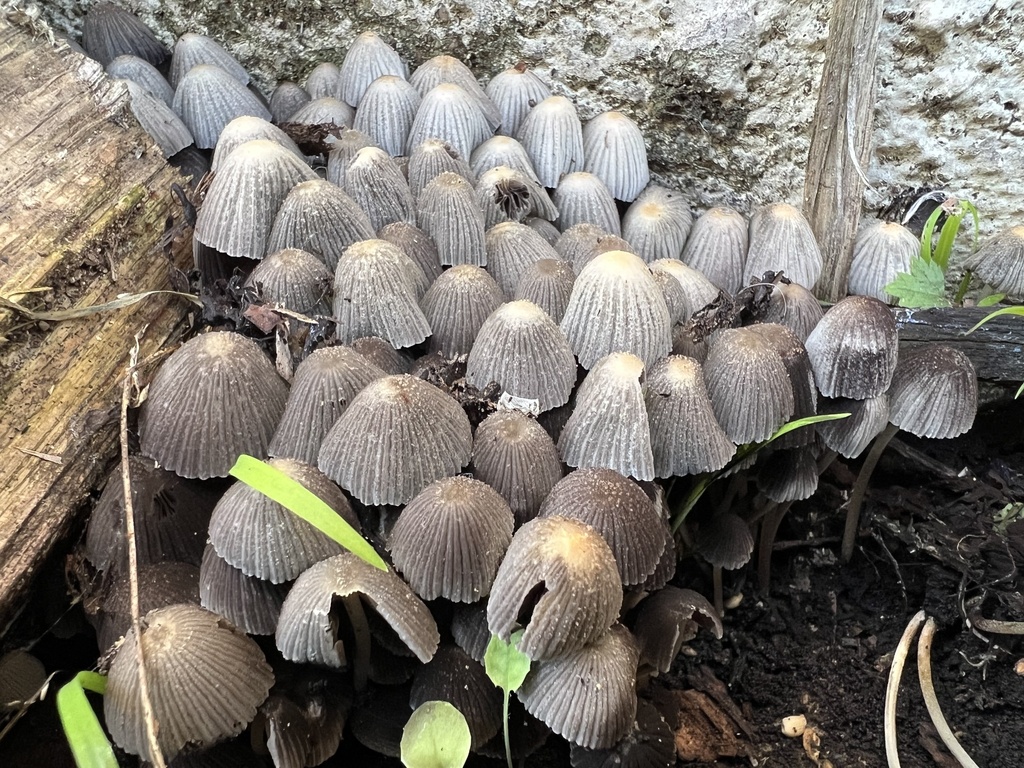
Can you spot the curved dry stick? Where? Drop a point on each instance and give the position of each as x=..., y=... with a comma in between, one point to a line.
x=860, y=488
x=931, y=701
x=892, y=689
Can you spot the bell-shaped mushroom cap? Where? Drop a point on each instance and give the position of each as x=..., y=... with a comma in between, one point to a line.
x=323, y=386
x=307, y=631
x=294, y=279
x=260, y=537
x=21, y=677
x=748, y=384
x=375, y=181
x=583, y=198
x=215, y=398
x=548, y=284
x=449, y=539
x=416, y=244
x=552, y=136
x=208, y=98
x=511, y=249
x=251, y=604
x=321, y=218
x=883, y=249
x=498, y=151
x=850, y=436
x=325, y=110
x=287, y=99
x=243, y=201
x=788, y=474
x=141, y=72
x=469, y=629
x=1000, y=262
x=514, y=455
x=617, y=509
x=191, y=50
x=781, y=240
x=206, y=680
x=323, y=80
x=249, y=128
x=587, y=696
x=578, y=244
x=456, y=305
x=398, y=435
x=449, y=113
x=449, y=213
x=160, y=585
x=669, y=618
x=559, y=578
x=717, y=247
x=343, y=152
x=525, y=352
x=657, y=223
x=382, y=354
x=686, y=439
x=386, y=113
x=684, y=345
x=853, y=349
x=934, y=392
x=158, y=120
x=109, y=31
x=544, y=228
x=380, y=719
x=724, y=540
x=609, y=426
x=448, y=69
x=801, y=378
x=430, y=159
x=615, y=152
x=515, y=92
x=506, y=194
x=698, y=290
x=796, y=308
x=375, y=294
x=368, y=59
x=650, y=743
x=617, y=306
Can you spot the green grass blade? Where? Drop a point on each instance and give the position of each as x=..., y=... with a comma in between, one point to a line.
x=994, y=315
x=82, y=729
x=927, y=232
x=302, y=502
x=947, y=237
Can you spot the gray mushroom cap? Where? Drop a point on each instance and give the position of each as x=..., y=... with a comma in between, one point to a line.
x=934, y=392
x=668, y=619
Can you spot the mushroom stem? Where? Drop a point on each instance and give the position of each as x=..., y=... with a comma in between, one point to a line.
x=361, y=639
x=892, y=689
x=860, y=488
x=769, y=528
x=924, y=675
x=716, y=579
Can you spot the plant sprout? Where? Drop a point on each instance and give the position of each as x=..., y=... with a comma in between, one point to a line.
x=507, y=668
x=436, y=736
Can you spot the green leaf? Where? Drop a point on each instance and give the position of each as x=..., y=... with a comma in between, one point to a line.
x=85, y=736
x=946, y=239
x=923, y=287
x=927, y=233
x=436, y=736
x=994, y=315
x=991, y=300
x=505, y=664
x=295, y=497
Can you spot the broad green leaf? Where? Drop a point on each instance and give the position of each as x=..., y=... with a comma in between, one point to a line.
x=436, y=736
x=505, y=664
x=85, y=736
x=924, y=287
x=991, y=300
x=295, y=497
x=998, y=313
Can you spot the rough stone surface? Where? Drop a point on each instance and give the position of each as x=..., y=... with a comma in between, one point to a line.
x=724, y=91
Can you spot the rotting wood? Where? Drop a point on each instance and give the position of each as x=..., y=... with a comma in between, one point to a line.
x=841, y=138
x=86, y=198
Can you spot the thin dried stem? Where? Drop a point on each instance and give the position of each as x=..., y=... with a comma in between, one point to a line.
x=892, y=688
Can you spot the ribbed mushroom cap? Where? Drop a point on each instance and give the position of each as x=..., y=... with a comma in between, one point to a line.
x=386, y=113
x=449, y=113
x=498, y=151
x=515, y=92
x=449, y=539
x=141, y=72
x=650, y=743
x=343, y=152
x=934, y=392
x=208, y=98
x=380, y=719
x=281, y=727
x=456, y=305
x=657, y=223
x=206, y=680
x=666, y=569
x=781, y=240
x=749, y=386
x=882, y=250
x=260, y=537
x=191, y=50
x=544, y=228
x=548, y=284
x=416, y=244
x=609, y=426
x=294, y=279
x=801, y=378
x=684, y=345
x=582, y=197
x=398, y=435
x=368, y=59
x=449, y=213
x=717, y=247
x=109, y=31
x=21, y=677
x=469, y=629
x=788, y=474
x=160, y=585
x=308, y=629
x=616, y=153
x=375, y=181
x=617, y=509
x=243, y=201
x=325, y=110
x=578, y=244
x=525, y=352
x=430, y=159
x=382, y=354
x=454, y=677
x=686, y=439
x=604, y=244
x=323, y=80
x=853, y=349
x=319, y=217
x=158, y=120
x=251, y=604
x=1000, y=262
x=724, y=540
x=506, y=194
x=552, y=136
x=376, y=294
x=796, y=308
x=850, y=436
x=511, y=249
x=323, y=386
x=587, y=696
x=249, y=128
x=617, y=306
x=698, y=290
x=214, y=398
x=669, y=618
x=287, y=99
x=559, y=578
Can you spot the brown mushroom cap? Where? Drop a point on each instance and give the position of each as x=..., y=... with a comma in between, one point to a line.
x=21, y=677
x=788, y=474
x=249, y=603
x=294, y=279
x=669, y=618
x=650, y=743
x=160, y=585
x=850, y=436
x=796, y=308
x=725, y=540
x=934, y=392
x=456, y=305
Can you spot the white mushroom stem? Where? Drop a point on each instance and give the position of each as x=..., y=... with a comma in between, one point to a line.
x=892, y=688
x=361, y=639
x=860, y=488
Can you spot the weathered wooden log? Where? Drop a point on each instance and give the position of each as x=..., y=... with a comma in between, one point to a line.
x=86, y=195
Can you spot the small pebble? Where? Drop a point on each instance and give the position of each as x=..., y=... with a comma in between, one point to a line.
x=794, y=726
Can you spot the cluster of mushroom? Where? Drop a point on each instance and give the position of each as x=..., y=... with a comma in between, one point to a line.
x=480, y=226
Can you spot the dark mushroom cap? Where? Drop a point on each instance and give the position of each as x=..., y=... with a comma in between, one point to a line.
x=206, y=680
x=577, y=245
x=378, y=722
x=109, y=31
x=324, y=110
x=934, y=392
x=456, y=305
x=667, y=619
x=615, y=152
x=21, y=677
x=214, y=398
x=294, y=279
x=160, y=585
x=796, y=308
x=287, y=99
x=725, y=540
x=251, y=604
x=801, y=376
x=469, y=629
x=850, y=436
x=158, y=120
x=698, y=290
x=650, y=743
x=560, y=580
x=781, y=240
x=717, y=247
x=1000, y=262
x=129, y=67
x=788, y=474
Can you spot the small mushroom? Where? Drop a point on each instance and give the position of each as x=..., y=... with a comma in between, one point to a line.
x=1000, y=262
x=552, y=136
x=375, y=181
x=191, y=50
x=795, y=307
x=208, y=98
x=324, y=110
x=657, y=223
x=548, y=284
x=449, y=113
x=287, y=99
x=416, y=244
x=368, y=58
x=21, y=677
x=781, y=240
x=650, y=743
x=507, y=194
x=511, y=249
x=140, y=71
x=717, y=247
x=447, y=69
x=386, y=113
x=514, y=92
x=293, y=279
x=160, y=585
x=250, y=128
x=616, y=153
x=430, y=159
x=502, y=150
x=882, y=250
x=251, y=604
x=343, y=151
x=449, y=213
x=456, y=306
x=668, y=619
x=583, y=198
x=698, y=290
x=109, y=31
